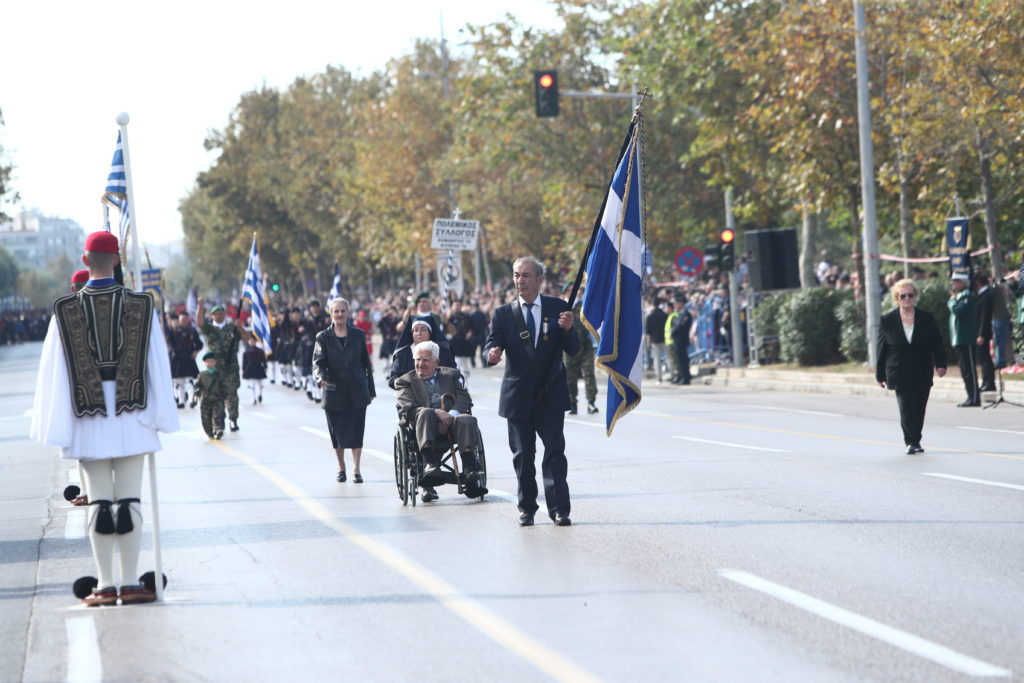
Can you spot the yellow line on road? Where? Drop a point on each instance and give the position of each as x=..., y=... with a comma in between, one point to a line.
x=833, y=437
x=504, y=633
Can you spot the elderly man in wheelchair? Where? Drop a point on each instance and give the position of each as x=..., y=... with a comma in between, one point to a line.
x=433, y=401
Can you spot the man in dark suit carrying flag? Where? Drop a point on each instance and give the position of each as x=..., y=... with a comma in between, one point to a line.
x=533, y=331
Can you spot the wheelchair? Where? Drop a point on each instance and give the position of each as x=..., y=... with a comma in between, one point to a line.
x=409, y=463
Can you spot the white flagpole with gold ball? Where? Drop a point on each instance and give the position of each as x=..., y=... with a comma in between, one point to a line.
x=133, y=234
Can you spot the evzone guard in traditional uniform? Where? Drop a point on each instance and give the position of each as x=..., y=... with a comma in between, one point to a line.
x=102, y=395
x=74, y=494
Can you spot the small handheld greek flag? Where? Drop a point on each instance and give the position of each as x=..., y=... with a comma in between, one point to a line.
x=336, y=286
x=252, y=291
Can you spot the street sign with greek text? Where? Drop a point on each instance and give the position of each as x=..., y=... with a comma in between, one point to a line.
x=453, y=233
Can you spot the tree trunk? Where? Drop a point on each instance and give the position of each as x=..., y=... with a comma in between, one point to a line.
x=988, y=194
x=808, y=278
x=904, y=215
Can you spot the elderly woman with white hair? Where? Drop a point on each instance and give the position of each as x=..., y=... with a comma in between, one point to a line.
x=342, y=367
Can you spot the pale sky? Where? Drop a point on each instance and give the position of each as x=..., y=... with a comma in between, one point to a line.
x=178, y=69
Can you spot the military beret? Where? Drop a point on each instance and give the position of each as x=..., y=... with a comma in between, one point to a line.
x=101, y=242
x=209, y=355
x=216, y=308
x=80, y=277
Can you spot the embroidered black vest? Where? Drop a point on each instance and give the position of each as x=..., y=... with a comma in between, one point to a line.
x=105, y=334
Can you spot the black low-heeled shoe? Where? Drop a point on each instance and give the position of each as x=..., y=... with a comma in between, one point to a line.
x=341, y=476
x=357, y=478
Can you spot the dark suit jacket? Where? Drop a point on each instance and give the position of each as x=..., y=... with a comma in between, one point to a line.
x=526, y=386
x=413, y=394
x=909, y=366
x=347, y=369
x=985, y=303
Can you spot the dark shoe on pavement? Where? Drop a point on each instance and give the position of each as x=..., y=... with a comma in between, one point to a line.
x=341, y=476
x=988, y=387
x=562, y=520
x=917, y=448
x=357, y=478
x=234, y=425
x=911, y=450
x=591, y=408
x=218, y=435
x=134, y=595
x=572, y=410
x=429, y=494
x=969, y=404
x=192, y=404
x=525, y=519
x=100, y=597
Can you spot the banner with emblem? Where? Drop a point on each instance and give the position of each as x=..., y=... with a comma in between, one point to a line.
x=956, y=244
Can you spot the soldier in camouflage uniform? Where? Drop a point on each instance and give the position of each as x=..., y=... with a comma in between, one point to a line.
x=211, y=389
x=222, y=339
x=582, y=362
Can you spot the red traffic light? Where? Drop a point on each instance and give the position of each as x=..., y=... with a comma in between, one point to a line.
x=728, y=235
x=546, y=81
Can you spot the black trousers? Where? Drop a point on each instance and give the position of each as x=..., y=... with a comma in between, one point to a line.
x=682, y=361
x=988, y=369
x=912, y=403
x=966, y=356
x=522, y=441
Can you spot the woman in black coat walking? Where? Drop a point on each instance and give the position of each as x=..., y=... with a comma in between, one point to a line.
x=342, y=367
x=910, y=351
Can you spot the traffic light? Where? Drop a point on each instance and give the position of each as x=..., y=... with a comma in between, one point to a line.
x=728, y=249
x=713, y=256
x=545, y=87
x=275, y=287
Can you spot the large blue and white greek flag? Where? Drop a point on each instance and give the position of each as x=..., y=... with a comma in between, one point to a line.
x=336, y=285
x=612, y=308
x=252, y=291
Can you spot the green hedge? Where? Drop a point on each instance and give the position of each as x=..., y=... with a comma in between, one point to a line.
x=820, y=326
x=809, y=328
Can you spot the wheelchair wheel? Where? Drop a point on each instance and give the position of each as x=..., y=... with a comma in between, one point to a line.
x=401, y=471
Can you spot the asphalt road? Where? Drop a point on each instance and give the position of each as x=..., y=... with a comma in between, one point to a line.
x=717, y=536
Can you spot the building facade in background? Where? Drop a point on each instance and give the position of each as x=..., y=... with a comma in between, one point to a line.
x=35, y=240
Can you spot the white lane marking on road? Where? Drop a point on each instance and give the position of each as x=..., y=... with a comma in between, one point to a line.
x=322, y=433
x=503, y=632
x=794, y=410
x=588, y=424
x=503, y=495
x=84, y=662
x=1018, y=487
x=266, y=415
x=908, y=642
x=985, y=429
x=380, y=455
x=74, y=527
x=732, y=445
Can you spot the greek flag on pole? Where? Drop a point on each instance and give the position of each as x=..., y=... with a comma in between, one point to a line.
x=336, y=286
x=116, y=191
x=252, y=291
x=612, y=303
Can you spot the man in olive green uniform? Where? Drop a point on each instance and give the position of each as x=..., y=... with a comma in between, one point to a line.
x=211, y=390
x=963, y=332
x=222, y=339
x=582, y=362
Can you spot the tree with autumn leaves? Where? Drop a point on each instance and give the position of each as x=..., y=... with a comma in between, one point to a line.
x=755, y=96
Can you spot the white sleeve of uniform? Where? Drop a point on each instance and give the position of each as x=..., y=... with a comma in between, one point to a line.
x=52, y=416
x=161, y=411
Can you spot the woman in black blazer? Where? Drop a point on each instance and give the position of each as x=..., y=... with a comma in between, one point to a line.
x=910, y=351
x=342, y=367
